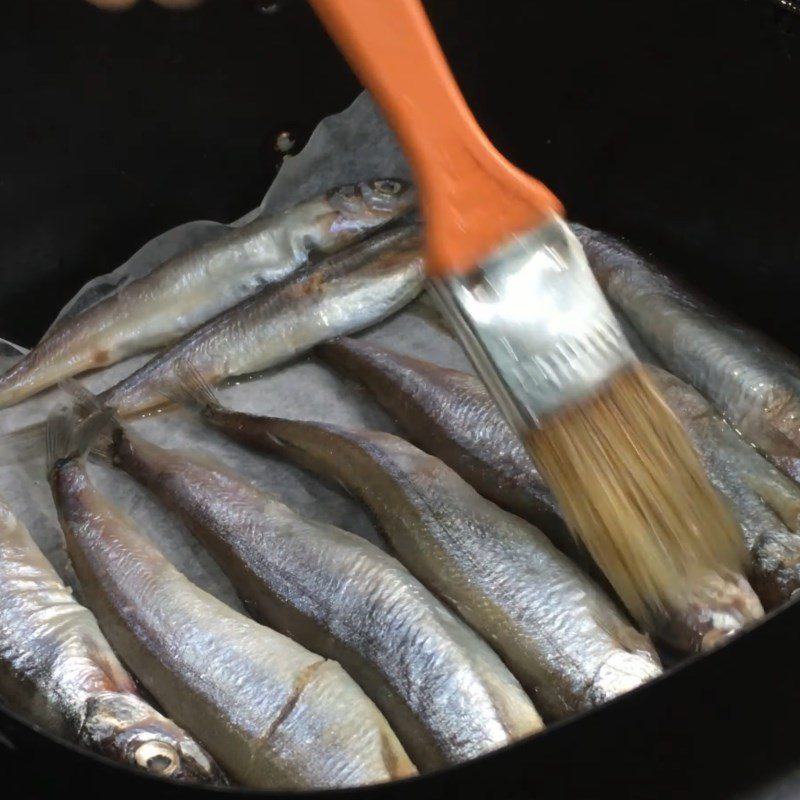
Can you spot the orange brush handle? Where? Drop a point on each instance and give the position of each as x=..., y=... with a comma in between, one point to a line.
x=471, y=196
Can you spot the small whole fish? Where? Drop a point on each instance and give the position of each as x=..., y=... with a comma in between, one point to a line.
x=764, y=501
x=273, y=714
x=58, y=670
x=442, y=688
x=753, y=382
x=452, y=416
x=563, y=639
x=192, y=287
x=345, y=293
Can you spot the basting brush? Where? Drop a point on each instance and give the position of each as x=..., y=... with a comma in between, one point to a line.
x=515, y=284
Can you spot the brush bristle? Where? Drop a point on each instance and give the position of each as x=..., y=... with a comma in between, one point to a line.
x=632, y=488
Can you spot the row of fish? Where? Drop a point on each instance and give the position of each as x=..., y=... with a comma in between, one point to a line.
x=195, y=286
x=484, y=620
x=746, y=390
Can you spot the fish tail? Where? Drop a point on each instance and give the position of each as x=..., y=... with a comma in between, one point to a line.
x=22, y=445
x=85, y=402
x=71, y=436
x=191, y=389
x=100, y=443
x=59, y=437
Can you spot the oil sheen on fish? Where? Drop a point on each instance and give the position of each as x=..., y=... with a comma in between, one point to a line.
x=58, y=670
x=451, y=415
x=273, y=714
x=765, y=502
x=195, y=285
x=564, y=640
x=443, y=689
x=347, y=292
x=753, y=382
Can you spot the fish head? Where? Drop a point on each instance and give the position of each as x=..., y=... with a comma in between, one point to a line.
x=720, y=606
x=369, y=204
x=125, y=728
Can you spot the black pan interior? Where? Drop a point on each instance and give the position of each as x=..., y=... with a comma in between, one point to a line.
x=667, y=122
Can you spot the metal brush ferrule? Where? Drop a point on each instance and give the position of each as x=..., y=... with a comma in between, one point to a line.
x=536, y=324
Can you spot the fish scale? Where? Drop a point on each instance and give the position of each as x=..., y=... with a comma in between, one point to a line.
x=451, y=416
x=764, y=501
x=57, y=668
x=346, y=292
x=193, y=286
x=566, y=642
x=753, y=382
x=447, y=694
x=237, y=682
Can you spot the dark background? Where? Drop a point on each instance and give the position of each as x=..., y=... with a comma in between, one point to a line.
x=668, y=122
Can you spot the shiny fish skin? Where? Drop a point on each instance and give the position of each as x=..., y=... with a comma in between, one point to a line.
x=764, y=501
x=274, y=715
x=57, y=669
x=451, y=415
x=563, y=639
x=347, y=292
x=193, y=286
x=444, y=691
x=753, y=382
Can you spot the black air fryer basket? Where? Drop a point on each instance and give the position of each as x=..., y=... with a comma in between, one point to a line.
x=668, y=122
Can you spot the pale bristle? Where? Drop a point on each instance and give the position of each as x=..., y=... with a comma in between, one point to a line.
x=632, y=488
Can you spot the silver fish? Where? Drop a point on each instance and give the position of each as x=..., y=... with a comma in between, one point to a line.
x=452, y=416
x=752, y=381
x=195, y=285
x=347, y=292
x=564, y=640
x=274, y=715
x=765, y=502
x=444, y=691
x=58, y=670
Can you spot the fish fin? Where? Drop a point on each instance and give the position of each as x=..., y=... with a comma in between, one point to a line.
x=71, y=434
x=104, y=444
x=87, y=405
x=190, y=388
x=23, y=444
x=59, y=439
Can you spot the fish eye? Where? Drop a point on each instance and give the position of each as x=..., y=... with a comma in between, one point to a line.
x=159, y=758
x=387, y=186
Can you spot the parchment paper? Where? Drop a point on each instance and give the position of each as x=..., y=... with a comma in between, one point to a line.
x=353, y=145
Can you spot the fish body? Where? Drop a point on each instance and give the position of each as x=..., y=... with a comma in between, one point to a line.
x=451, y=415
x=347, y=292
x=564, y=640
x=195, y=285
x=764, y=501
x=57, y=669
x=442, y=688
x=753, y=382
x=274, y=714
